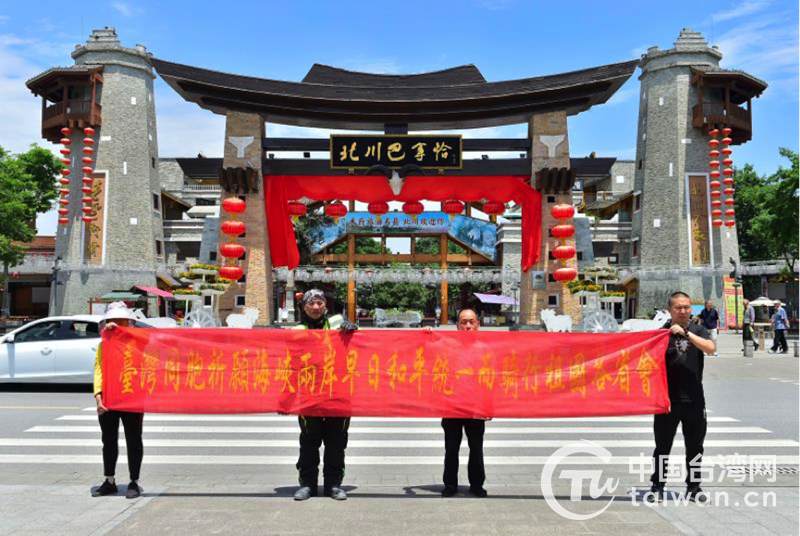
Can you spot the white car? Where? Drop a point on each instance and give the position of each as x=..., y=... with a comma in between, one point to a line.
x=58, y=349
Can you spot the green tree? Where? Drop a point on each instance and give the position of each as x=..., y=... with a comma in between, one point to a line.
x=27, y=183
x=767, y=212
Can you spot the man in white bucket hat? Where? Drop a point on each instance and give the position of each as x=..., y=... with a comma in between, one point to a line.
x=117, y=314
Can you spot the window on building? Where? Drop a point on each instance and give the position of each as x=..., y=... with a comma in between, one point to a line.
x=207, y=301
x=635, y=252
x=637, y=202
x=612, y=259
x=239, y=300
x=153, y=162
x=640, y=163
x=159, y=248
x=156, y=202
x=550, y=278
x=212, y=256
x=580, y=255
x=551, y=199
x=552, y=300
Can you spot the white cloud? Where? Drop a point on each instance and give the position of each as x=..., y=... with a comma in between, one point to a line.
x=124, y=9
x=371, y=65
x=745, y=8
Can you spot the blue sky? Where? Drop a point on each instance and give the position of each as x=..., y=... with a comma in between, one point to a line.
x=506, y=39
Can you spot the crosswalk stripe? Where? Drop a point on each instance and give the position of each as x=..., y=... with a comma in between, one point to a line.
x=637, y=461
x=292, y=418
x=386, y=444
x=392, y=430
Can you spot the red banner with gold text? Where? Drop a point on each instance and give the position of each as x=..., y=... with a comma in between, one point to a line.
x=391, y=373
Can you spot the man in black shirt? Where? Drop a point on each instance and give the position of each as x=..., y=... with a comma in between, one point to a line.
x=688, y=343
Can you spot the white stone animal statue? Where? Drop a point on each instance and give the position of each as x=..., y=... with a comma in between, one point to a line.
x=246, y=319
x=641, y=324
x=555, y=323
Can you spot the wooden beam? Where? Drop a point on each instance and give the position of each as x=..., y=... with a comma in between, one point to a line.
x=317, y=166
x=416, y=258
x=468, y=144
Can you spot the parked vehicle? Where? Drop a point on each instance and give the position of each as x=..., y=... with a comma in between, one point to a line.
x=57, y=349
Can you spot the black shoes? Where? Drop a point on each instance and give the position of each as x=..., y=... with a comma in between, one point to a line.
x=133, y=491
x=305, y=493
x=656, y=493
x=478, y=492
x=695, y=493
x=106, y=488
x=449, y=491
x=336, y=493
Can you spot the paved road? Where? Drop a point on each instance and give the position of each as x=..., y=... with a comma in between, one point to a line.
x=234, y=473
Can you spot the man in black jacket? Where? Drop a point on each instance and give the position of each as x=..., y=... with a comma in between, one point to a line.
x=688, y=342
x=474, y=428
x=314, y=431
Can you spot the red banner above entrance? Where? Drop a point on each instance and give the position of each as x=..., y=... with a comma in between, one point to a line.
x=392, y=373
x=281, y=189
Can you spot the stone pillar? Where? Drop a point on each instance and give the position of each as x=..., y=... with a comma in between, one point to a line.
x=549, y=149
x=243, y=135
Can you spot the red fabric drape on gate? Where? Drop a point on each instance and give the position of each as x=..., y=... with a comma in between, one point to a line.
x=280, y=189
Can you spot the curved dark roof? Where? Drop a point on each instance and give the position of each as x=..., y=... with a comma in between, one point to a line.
x=455, y=76
x=343, y=99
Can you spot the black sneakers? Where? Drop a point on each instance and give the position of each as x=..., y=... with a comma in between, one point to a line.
x=133, y=491
x=695, y=493
x=106, y=488
x=656, y=493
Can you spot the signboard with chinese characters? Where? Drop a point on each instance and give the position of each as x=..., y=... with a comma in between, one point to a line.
x=478, y=235
x=734, y=304
x=93, y=234
x=393, y=150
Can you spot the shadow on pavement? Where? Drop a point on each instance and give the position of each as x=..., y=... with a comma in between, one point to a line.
x=46, y=387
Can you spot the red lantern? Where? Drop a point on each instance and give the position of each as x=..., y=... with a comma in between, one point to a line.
x=65, y=141
x=716, y=223
x=86, y=189
x=565, y=274
x=63, y=221
x=716, y=193
x=716, y=213
x=714, y=132
x=231, y=250
x=451, y=207
x=728, y=181
x=88, y=131
x=63, y=211
x=66, y=131
x=378, y=208
x=65, y=151
x=234, y=273
x=335, y=210
x=65, y=181
x=713, y=164
x=413, y=209
x=297, y=209
x=66, y=172
x=726, y=151
x=66, y=161
x=87, y=219
x=87, y=200
x=728, y=162
x=63, y=202
x=86, y=159
x=87, y=180
x=713, y=143
x=88, y=141
x=727, y=172
x=729, y=202
x=565, y=230
x=494, y=208
x=714, y=174
x=564, y=252
x=726, y=131
x=716, y=203
x=713, y=153
x=730, y=212
x=64, y=191
x=86, y=210
x=562, y=211
x=726, y=141
x=730, y=223
x=87, y=150
x=233, y=205
x=232, y=227
x=729, y=191
x=87, y=169
x=714, y=184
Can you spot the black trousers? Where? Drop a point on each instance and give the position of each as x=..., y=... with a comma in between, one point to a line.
x=452, y=443
x=109, y=426
x=692, y=418
x=780, y=341
x=315, y=431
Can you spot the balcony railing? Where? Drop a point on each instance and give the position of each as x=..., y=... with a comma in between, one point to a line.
x=57, y=114
x=611, y=229
x=739, y=119
x=189, y=187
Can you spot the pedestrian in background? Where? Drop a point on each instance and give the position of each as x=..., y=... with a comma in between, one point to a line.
x=747, y=324
x=709, y=317
x=779, y=324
